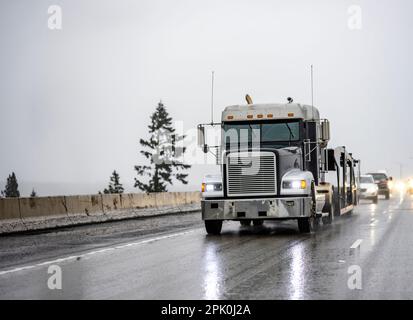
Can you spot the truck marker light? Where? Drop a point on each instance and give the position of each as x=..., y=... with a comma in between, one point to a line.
x=250, y=116
x=230, y=117
x=259, y=116
x=290, y=114
x=270, y=115
x=203, y=187
x=303, y=184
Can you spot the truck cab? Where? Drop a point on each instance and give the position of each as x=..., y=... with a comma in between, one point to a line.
x=273, y=160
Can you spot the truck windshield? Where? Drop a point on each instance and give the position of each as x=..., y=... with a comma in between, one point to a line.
x=257, y=132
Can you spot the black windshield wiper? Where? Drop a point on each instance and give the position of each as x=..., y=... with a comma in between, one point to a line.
x=291, y=134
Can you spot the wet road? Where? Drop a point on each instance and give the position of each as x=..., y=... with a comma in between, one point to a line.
x=173, y=258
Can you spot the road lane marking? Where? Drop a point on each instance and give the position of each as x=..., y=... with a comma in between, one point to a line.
x=95, y=252
x=356, y=244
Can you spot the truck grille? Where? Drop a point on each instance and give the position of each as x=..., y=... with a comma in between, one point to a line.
x=251, y=173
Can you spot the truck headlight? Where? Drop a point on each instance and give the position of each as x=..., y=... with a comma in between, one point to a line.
x=209, y=187
x=295, y=184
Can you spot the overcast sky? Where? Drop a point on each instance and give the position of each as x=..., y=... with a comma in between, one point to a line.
x=75, y=102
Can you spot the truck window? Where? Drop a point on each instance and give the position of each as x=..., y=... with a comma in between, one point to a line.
x=283, y=131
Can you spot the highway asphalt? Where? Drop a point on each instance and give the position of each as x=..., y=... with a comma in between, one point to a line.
x=365, y=255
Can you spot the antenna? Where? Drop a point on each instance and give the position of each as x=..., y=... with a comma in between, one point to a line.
x=312, y=87
x=312, y=92
x=212, y=98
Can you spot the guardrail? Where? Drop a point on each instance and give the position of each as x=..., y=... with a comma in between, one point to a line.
x=24, y=214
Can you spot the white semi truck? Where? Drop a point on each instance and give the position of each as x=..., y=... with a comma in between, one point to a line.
x=274, y=164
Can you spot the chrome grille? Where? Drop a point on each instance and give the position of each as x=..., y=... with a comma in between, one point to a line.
x=251, y=173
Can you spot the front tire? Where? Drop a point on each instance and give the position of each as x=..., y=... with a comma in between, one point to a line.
x=376, y=199
x=213, y=226
x=304, y=225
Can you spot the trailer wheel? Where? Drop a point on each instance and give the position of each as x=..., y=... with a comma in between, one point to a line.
x=304, y=225
x=336, y=202
x=245, y=223
x=213, y=226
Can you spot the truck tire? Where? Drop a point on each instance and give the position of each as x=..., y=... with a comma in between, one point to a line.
x=336, y=201
x=258, y=223
x=245, y=223
x=376, y=199
x=213, y=226
x=329, y=219
x=304, y=225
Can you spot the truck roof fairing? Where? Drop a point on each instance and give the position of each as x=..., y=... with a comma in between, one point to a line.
x=270, y=111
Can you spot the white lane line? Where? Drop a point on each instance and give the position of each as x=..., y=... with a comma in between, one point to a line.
x=356, y=244
x=100, y=251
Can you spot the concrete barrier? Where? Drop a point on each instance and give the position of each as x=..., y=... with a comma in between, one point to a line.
x=10, y=220
x=9, y=208
x=44, y=206
x=87, y=205
x=193, y=197
x=33, y=212
x=20, y=214
x=143, y=201
x=111, y=202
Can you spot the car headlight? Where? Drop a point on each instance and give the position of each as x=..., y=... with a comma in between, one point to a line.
x=294, y=184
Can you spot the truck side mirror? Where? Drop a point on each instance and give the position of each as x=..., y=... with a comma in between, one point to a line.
x=325, y=130
x=201, y=139
x=201, y=136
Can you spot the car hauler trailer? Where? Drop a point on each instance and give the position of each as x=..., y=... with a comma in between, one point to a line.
x=274, y=161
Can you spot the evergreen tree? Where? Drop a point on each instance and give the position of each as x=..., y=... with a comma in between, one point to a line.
x=114, y=185
x=12, y=187
x=162, y=154
x=33, y=194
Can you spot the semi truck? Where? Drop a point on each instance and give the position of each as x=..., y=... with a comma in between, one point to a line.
x=275, y=164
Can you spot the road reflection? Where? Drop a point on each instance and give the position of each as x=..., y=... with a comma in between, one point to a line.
x=297, y=277
x=212, y=273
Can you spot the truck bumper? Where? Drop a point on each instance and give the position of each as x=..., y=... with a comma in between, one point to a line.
x=273, y=208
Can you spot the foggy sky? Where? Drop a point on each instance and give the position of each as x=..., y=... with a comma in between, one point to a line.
x=75, y=102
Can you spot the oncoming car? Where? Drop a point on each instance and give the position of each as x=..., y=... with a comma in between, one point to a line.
x=368, y=188
x=382, y=181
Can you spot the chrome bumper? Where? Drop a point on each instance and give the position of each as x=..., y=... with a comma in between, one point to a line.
x=236, y=209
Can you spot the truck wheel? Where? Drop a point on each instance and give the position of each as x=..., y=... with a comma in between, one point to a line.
x=245, y=223
x=376, y=199
x=387, y=195
x=213, y=226
x=258, y=222
x=329, y=219
x=304, y=225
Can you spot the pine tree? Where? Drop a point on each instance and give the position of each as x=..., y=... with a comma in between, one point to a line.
x=33, y=194
x=162, y=154
x=12, y=187
x=114, y=185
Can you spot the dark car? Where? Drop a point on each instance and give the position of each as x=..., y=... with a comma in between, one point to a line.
x=382, y=181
